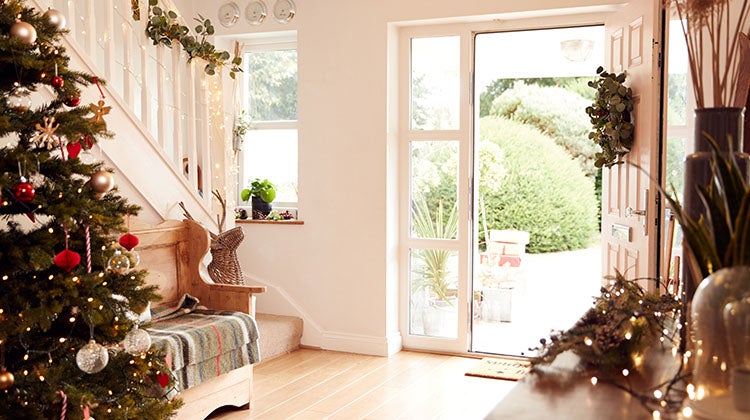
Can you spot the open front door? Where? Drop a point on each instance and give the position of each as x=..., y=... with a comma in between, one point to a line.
x=629, y=209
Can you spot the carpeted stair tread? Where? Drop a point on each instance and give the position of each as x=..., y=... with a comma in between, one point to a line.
x=279, y=334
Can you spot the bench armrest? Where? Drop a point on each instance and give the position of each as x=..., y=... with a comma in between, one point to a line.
x=231, y=297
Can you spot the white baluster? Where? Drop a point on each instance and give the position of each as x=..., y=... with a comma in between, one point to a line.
x=161, y=79
x=205, y=140
x=177, y=104
x=108, y=40
x=90, y=28
x=192, y=122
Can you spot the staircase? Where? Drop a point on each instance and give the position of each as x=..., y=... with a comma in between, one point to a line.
x=171, y=140
x=279, y=335
x=160, y=113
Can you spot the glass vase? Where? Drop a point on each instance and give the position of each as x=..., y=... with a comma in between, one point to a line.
x=718, y=332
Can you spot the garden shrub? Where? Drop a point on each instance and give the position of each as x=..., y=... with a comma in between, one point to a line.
x=541, y=190
x=556, y=112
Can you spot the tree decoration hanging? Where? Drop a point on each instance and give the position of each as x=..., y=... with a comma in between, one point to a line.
x=6, y=379
x=72, y=101
x=92, y=358
x=23, y=191
x=19, y=100
x=46, y=137
x=23, y=32
x=67, y=259
x=73, y=149
x=610, y=116
x=45, y=293
x=102, y=182
x=55, y=18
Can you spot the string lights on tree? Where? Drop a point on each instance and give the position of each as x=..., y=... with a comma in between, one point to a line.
x=63, y=330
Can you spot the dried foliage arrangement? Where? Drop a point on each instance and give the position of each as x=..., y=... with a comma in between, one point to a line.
x=714, y=32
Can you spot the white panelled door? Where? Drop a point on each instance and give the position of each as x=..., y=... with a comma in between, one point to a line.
x=630, y=212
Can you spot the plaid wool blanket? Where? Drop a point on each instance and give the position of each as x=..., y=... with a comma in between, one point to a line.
x=201, y=344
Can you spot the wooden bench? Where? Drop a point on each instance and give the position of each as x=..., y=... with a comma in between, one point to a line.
x=174, y=252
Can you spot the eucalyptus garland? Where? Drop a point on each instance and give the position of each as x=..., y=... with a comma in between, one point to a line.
x=163, y=28
x=611, y=118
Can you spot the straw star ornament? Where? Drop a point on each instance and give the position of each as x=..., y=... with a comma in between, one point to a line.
x=46, y=137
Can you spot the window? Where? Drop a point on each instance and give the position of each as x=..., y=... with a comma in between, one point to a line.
x=270, y=99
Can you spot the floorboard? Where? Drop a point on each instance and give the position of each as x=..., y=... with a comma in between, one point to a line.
x=317, y=384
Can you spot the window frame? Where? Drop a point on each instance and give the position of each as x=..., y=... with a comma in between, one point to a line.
x=285, y=41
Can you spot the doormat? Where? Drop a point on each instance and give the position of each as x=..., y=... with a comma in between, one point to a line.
x=501, y=368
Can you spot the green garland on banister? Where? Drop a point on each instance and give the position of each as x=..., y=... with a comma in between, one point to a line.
x=163, y=28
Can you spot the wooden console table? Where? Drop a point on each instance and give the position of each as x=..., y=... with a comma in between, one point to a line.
x=562, y=394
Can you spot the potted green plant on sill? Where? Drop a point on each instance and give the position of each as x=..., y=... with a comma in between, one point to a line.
x=262, y=192
x=431, y=273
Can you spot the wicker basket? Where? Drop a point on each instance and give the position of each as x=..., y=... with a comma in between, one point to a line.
x=225, y=267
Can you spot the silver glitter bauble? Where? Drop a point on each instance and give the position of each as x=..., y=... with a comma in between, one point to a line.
x=137, y=341
x=92, y=357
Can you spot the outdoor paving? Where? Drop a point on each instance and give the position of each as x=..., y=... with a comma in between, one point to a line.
x=551, y=291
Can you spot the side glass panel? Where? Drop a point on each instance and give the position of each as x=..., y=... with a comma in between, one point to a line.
x=433, y=301
x=435, y=83
x=433, y=189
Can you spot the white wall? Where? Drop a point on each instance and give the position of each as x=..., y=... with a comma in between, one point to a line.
x=339, y=269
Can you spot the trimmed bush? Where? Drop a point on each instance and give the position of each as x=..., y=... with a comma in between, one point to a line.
x=556, y=112
x=541, y=191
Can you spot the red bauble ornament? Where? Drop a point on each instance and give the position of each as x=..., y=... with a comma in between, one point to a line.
x=73, y=149
x=72, y=101
x=88, y=142
x=129, y=241
x=23, y=191
x=57, y=82
x=163, y=379
x=67, y=259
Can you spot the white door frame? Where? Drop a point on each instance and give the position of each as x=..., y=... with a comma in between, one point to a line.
x=464, y=135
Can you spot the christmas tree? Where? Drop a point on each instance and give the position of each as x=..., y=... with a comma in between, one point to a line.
x=68, y=344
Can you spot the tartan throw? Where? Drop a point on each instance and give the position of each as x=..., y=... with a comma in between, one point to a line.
x=202, y=344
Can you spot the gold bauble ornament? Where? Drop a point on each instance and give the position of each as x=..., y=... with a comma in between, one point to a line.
x=55, y=18
x=6, y=379
x=102, y=181
x=24, y=32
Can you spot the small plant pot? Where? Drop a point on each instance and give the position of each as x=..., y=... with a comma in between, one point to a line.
x=260, y=208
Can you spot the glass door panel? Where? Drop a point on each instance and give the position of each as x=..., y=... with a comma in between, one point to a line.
x=435, y=83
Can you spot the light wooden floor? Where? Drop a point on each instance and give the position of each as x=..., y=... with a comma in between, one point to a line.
x=318, y=384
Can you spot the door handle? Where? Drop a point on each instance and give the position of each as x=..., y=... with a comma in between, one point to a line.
x=629, y=212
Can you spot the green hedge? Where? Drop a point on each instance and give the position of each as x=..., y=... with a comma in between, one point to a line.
x=541, y=189
x=556, y=112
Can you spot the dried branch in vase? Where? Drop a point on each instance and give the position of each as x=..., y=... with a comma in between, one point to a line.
x=715, y=34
